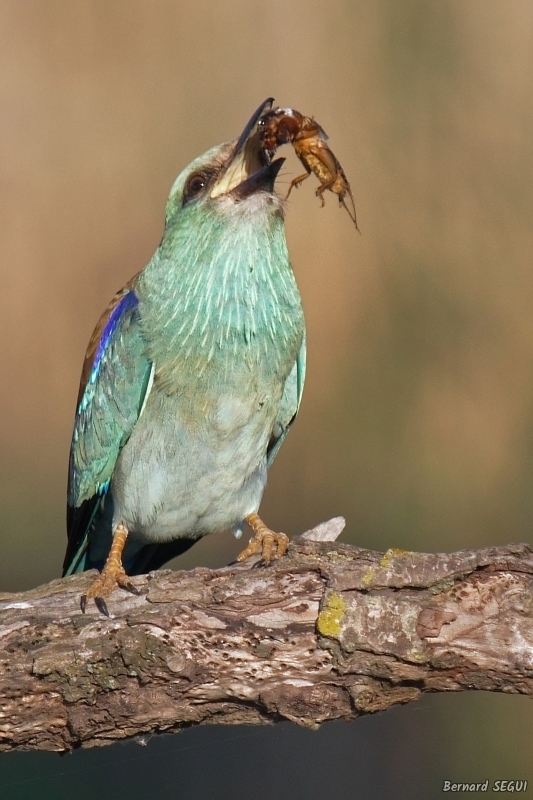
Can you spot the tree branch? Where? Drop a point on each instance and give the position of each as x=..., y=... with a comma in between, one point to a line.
x=328, y=631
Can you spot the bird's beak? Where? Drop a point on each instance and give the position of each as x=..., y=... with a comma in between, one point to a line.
x=248, y=168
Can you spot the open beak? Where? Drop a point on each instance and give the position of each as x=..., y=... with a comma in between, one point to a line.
x=248, y=169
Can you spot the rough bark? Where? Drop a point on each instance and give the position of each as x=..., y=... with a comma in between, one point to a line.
x=328, y=631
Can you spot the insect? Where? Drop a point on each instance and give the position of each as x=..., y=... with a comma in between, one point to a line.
x=286, y=125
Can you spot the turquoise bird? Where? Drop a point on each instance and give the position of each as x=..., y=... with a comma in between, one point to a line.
x=191, y=379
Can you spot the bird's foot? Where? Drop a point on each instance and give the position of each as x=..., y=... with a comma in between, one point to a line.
x=112, y=575
x=270, y=544
x=104, y=585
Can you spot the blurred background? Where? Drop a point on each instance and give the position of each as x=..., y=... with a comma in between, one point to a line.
x=417, y=418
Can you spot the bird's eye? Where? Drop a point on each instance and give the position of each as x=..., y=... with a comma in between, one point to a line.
x=194, y=186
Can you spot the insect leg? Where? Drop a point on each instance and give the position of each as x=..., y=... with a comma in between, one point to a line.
x=296, y=182
x=322, y=188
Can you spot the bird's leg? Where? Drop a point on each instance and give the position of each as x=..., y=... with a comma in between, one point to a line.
x=112, y=575
x=271, y=545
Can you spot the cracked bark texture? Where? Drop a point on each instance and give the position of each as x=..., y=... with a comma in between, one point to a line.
x=329, y=631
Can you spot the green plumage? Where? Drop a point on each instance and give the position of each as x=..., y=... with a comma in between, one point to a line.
x=196, y=376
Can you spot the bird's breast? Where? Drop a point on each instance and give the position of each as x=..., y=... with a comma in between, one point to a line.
x=189, y=470
x=228, y=325
x=230, y=413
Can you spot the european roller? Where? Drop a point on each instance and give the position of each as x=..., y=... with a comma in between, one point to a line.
x=191, y=380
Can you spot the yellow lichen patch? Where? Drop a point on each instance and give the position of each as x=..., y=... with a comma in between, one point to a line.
x=330, y=618
x=418, y=655
x=368, y=577
x=390, y=555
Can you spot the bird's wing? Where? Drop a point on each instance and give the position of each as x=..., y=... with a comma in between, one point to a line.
x=115, y=383
x=290, y=403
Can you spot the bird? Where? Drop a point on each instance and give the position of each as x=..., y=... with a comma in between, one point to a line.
x=191, y=380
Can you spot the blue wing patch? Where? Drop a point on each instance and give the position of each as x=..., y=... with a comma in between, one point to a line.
x=116, y=381
x=128, y=302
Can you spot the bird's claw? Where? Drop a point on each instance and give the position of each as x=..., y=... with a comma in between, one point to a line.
x=269, y=544
x=263, y=563
x=99, y=602
x=104, y=585
x=129, y=587
x=101, y=605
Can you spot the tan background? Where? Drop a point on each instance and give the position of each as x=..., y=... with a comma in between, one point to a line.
x=417, y=420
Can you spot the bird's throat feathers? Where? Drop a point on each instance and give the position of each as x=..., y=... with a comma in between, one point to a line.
x=220, y=293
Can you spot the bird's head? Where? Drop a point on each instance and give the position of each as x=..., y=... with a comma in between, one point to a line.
x=231, y=181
